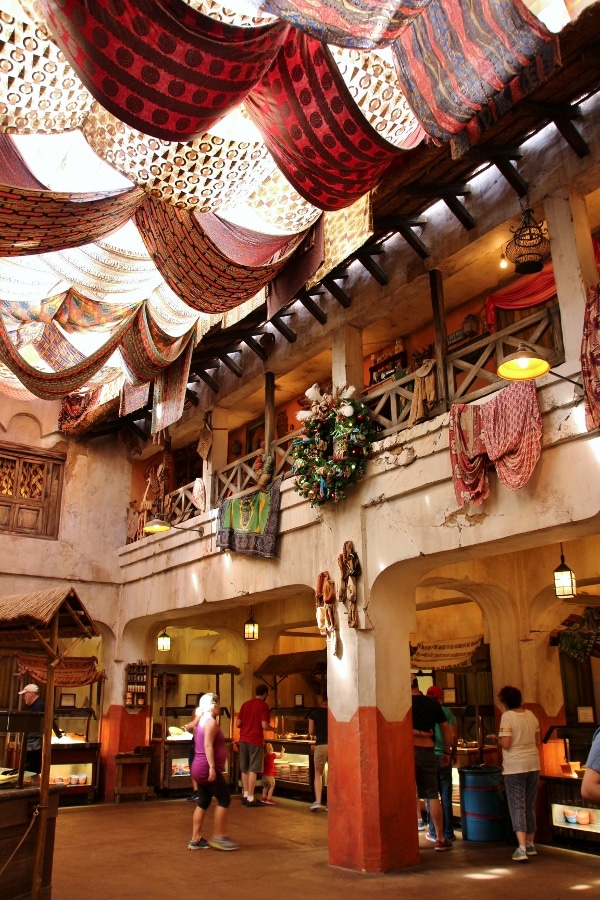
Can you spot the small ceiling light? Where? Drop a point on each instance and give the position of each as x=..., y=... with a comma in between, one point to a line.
x=164, y=641
x=503, y=261
x=564, y=579
x=529, y=249
x=523, y=365
x=156, y=525
x=251, y=628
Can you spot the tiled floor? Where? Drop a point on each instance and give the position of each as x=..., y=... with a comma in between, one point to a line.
x=138, y=851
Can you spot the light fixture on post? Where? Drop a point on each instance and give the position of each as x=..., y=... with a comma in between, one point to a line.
x=529, y=249
x=527, y=364
x=164, y=641
x=564, y=579
x=159, y=525
x=251, y=628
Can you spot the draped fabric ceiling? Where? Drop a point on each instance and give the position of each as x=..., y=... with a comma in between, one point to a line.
x=229, y=131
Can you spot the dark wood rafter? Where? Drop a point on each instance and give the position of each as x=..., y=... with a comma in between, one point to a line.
x=562, y=114
x=283, y=328
x=331, y=283
x=366, y=258
x=212, y=383
x=503, y=158
x=191, y=397
x=256, y=347
x=230, y=363
x=449, y=193
x=403, y=225
x=313, y=308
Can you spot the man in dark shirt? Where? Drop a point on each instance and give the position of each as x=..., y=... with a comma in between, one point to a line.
x=317, y=728
x=426, y=714
x=33, y=755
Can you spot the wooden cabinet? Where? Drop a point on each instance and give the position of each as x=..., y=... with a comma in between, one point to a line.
x=137, y=684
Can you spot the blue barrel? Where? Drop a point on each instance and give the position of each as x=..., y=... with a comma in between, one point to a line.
x=482, y=803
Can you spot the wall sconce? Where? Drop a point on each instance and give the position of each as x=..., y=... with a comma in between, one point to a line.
x=470, y=325
x=564, y=579
x=163, y=642
x=529, y=249
x=251, y=628
x=503, y=261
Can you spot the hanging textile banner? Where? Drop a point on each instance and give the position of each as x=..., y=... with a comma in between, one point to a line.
x=448, y=654
x=249, y=524
x=73, y=671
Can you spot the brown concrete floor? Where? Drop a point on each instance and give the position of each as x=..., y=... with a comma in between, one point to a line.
x=138, y=851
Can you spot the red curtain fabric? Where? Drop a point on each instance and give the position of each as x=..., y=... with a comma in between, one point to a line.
x=347, y=23
x=192, y=265
x=315, y=131
x=246, y=247
x=526, y=291
x=146, y=350
x=159, y=65
x=488, y=44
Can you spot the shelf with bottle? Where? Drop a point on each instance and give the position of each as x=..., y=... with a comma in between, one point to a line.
x=136, y=684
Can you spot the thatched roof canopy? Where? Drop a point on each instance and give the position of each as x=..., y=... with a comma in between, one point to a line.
x=22, y=616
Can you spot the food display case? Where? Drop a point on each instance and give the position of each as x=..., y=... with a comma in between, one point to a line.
x=170, y=744
x=573, y=821
x=296, y=771
x=74, y=757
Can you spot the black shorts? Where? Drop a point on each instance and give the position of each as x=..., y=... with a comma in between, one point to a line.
x=426, y=773
x=218, y=789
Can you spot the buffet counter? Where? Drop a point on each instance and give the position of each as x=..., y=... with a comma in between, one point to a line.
x=573, y=821
x=169, y=767
x=74, y=764
x=296, y=771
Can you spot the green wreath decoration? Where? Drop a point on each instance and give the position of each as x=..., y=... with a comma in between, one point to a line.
x=332, y=450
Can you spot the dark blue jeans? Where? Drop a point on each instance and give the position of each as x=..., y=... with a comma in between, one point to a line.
x=445, y=789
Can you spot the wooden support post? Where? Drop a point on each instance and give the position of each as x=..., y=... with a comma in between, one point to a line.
x=441, y=335
x=269, y=410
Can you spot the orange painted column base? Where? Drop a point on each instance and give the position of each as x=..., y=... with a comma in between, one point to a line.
x=371, y=793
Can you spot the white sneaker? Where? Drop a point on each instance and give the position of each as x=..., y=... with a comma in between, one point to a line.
x=316, y=806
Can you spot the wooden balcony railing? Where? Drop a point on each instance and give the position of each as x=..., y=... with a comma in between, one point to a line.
x=390, y=404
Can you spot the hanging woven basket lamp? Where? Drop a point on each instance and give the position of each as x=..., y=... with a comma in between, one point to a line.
x=529, y=249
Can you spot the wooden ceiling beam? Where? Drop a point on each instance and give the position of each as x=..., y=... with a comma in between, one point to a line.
x=403, y=225
x=309, y=304
x=283, y=328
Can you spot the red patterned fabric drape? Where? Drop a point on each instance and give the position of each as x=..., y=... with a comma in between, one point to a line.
x=192, y=265
x=169, y=391
x=527, y=291
x=246, y=247
x=489, y=44
x=590, y=358
x=317, y=134
x=507, y=430
x=347, y=23
x=161, y=66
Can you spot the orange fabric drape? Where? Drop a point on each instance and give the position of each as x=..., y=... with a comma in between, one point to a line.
x=71, y=672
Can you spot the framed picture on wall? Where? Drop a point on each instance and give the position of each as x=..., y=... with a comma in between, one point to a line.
x=191, y=699
x=449, y=696
x=585, y=715
x=68, y=699
x=298, y=699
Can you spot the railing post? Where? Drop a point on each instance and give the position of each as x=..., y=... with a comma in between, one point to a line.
x=441, y=335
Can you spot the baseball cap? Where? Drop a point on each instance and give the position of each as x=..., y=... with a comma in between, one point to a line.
x=434, y=692
x=30, y=689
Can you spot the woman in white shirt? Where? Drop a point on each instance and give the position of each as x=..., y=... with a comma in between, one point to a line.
x=519, y=737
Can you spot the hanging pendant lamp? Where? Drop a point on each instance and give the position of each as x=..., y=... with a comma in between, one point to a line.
x=529, y=249
x=163, y=642
x=564, y=579
x=251, y=628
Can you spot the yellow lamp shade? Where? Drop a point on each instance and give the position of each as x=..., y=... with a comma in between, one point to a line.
x=522, y=366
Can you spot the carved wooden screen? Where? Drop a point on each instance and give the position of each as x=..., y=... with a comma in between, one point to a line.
x=30, y=491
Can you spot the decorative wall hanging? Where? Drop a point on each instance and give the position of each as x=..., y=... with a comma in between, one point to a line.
x=350, y=569
x=325, y=604
x=332, y=451
x=249, y=524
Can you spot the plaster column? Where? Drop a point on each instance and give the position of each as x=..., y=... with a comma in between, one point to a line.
x=371, y=794
x=347, y=366
x=573, y=261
